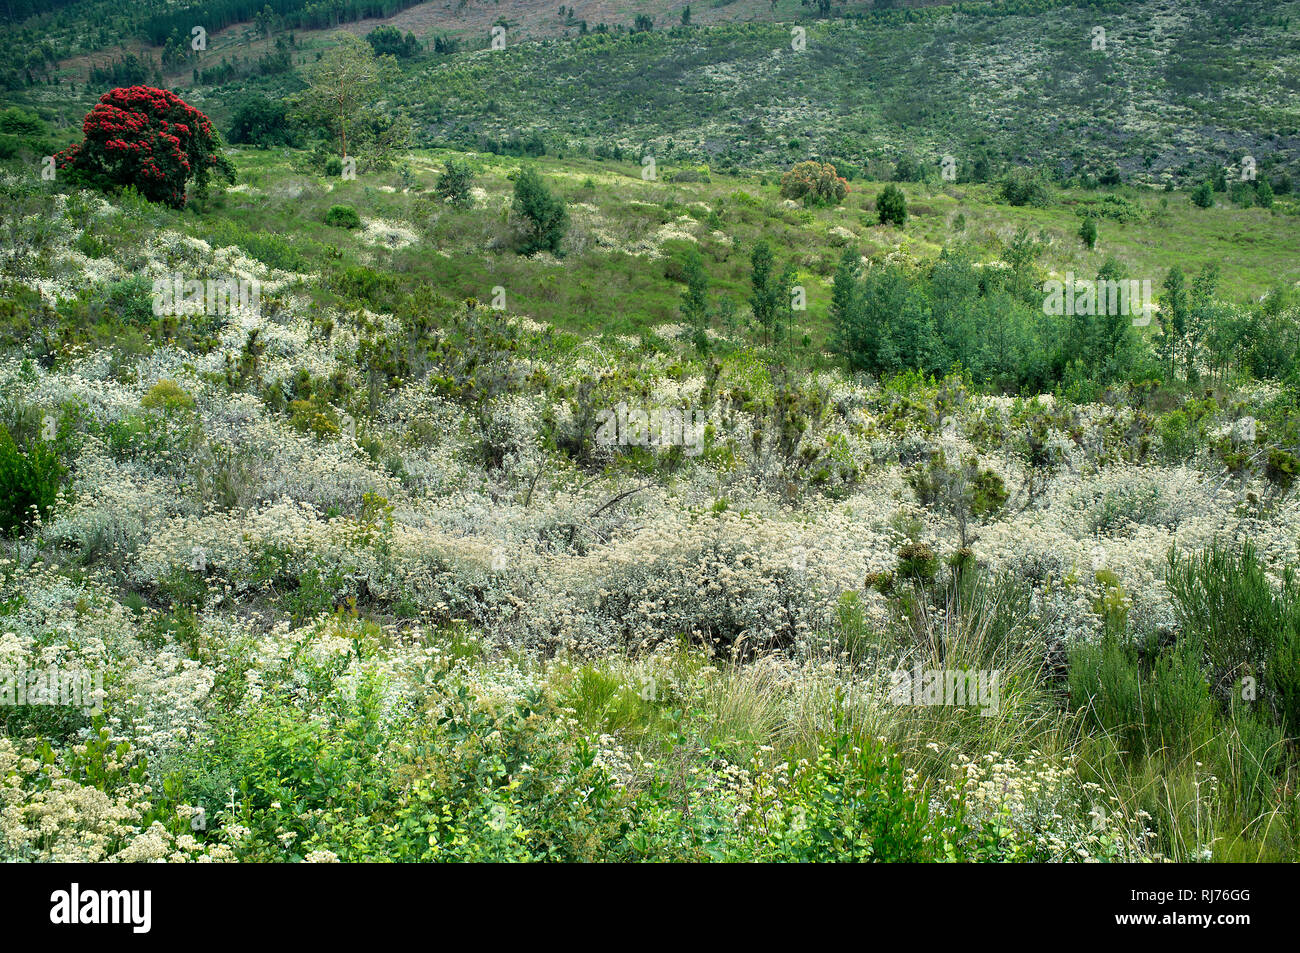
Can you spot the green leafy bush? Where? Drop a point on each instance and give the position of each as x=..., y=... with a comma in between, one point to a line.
x=454, y=183
x=1025, y=187
x=1147, y=703
x=816, y=183
x=1248, y=628
x=342, y=216
x=540, y=218
x=891, y=206
x=167, y=396
x=29, y=482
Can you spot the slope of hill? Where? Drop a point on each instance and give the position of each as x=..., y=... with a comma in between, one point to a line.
x=1175, y=88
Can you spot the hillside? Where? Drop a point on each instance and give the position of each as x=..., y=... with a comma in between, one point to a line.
x=1179, y=87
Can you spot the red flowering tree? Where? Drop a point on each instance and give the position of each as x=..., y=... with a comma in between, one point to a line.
x=150, y=139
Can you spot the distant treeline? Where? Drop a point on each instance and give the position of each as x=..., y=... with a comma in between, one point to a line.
x=15, y=11
x=291, y=14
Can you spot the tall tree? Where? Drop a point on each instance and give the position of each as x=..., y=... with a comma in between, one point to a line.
x=1173, y=318
x=765, y=298
x=695, y=303
x=343, y=82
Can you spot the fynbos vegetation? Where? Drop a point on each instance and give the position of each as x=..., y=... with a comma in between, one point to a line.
x=489, y=434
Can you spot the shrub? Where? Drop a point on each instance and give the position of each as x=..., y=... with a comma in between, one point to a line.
x=150, y=139
x=907, y=169
x=891, y=205
x=1203, y=195
x=816, y=183
x=1263, y=194
x=852, y=803
x=1025, y=187
x=540, y=219
x=1282, y=467
x=454, y=183
x=963, y=489
x=16, y=121
x=1164, y=704
x=262, y=122
x=28, y=482
x=1242, y=194
x=1088, y=232
x=315, y=417
x=1225, y=602
x=916, y=561
x=343, y=216
x=167, y=396
x=389, y=41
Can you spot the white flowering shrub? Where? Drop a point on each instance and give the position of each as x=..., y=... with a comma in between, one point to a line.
x=361, y=581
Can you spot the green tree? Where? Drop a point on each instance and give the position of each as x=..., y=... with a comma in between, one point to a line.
x=785, y=305
x=1173, y=319
x=695, y=299
x=765, y=299
x=454, y=183
x=1025, y=187
x=262, y=122
x=388, y=40
x=265, y=21
x=891, y=205
x=1088, y=232
x=1102, y=346
x=1263, y=194
x=844, y=312
x=343, y=83
x=540, y=218
x=1203, y=195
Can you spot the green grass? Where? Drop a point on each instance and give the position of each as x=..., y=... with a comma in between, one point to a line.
x=618, y=279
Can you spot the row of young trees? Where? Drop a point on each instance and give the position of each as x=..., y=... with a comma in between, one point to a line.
x=991, y=321
x=888, y=318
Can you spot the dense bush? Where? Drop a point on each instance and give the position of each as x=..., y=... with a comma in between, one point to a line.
x=149, y=139
x=540, y=218
x=1247, y=628
x=29, y=482
x=389, y=41
x=454, y=182
x=891, y=206
x=815, y=183
x=1025, y=187
x=1147, y=702
x=342, y=216
x=259, y=121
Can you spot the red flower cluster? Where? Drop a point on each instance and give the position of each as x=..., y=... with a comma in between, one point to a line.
x=147, y=138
